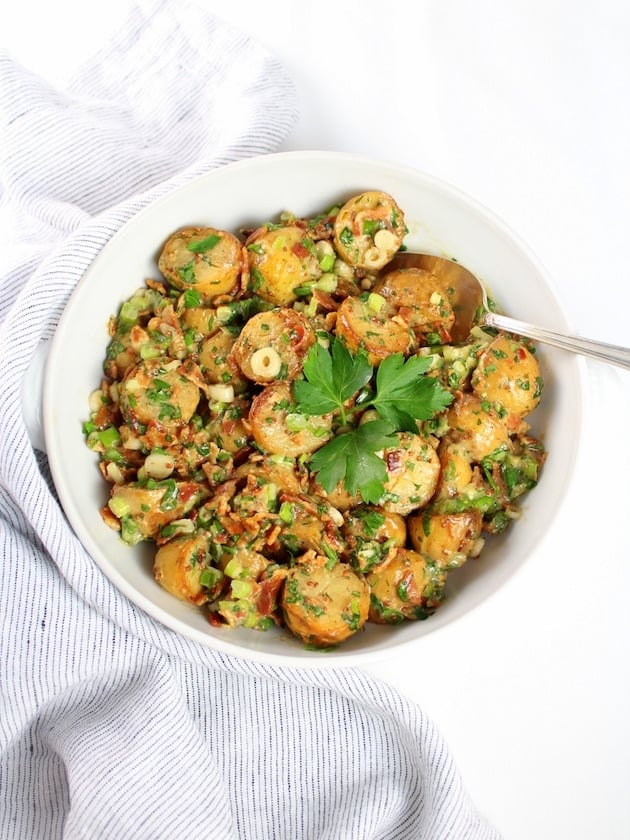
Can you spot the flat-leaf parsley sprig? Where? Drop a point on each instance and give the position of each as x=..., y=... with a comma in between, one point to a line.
x=401, y=395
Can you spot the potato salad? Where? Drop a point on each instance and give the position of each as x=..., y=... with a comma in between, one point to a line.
x=285, y=416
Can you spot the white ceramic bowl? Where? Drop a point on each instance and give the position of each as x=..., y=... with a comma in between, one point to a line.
x=441, y=220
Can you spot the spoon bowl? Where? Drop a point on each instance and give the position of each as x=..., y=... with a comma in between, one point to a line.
x=470, y=303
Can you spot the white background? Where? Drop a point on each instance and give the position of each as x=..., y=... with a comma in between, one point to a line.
x=525, y=106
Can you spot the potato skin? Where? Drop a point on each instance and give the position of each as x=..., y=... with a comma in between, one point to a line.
x=178, y=566
x=413, y=470
x=408, y=586
x=212, y=270
x=158, y=391
x=215, y=361
x=476, y=426
x=508, y=374
x=286, y=331
x=448, y=538
x=268, y=421
x=324, y=606
x=146, y=505
x=357, y=226
x=361, y=328
x=420, y=300
x=281, y=260
x=371, y=534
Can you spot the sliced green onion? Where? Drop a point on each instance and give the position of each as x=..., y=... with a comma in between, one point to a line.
x=286, y=513
x=210, y=577
x=241, y=589
x=233, y=569
x=326, y=262
x=108, y=437
x=296, y=422
x=119, y=506
x=375, y=301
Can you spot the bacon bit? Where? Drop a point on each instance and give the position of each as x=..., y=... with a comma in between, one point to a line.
x=232, y=526
x=273, y=535
x=268, y=593
x=252, y=236
x=107, y=415
x=215, y=619
x=300, y=251
x=252, y=524
x=393, y=460
x=137, y=335
x=325, y=301
x=190, y=489
x=405, y=312
x=157, y=286
x=109, y=519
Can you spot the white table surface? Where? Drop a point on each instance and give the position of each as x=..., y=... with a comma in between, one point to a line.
x=526, y=106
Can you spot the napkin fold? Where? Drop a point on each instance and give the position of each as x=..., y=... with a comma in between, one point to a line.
x=113, y=726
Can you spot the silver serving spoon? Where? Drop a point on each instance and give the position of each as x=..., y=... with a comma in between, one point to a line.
x=469, y=295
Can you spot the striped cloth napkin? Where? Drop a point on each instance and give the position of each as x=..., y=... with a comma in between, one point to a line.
x=111, y=725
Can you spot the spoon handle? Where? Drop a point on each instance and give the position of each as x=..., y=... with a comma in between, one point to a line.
x=611, y=353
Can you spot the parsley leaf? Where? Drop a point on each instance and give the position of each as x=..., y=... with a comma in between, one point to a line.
x=331, y=379
x=352, y=456
x=404, y=394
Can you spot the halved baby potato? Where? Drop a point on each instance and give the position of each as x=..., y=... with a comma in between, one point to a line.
x=369, y=229
x=204, y=259
x=508, y=374
x=363, y=326
x=272, y=345
x=281, y=260
x=277, y=427
x=420, y=301
x=324, y=606
x=160, y=391
x=408, y=586
x=447, y=538
x=413, y=471
x=179, y=565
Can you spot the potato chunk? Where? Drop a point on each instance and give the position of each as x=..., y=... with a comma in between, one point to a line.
x=145, y=508
x=508, y=374
x=413, y=470
x=369, y=229
x=448, y=539
x=216, y=363
x=178, y=567
x=476, y=426
x=363, y=327
x=324, y=606
x=272, y=345
x=408, y=586
x=204, y=259
x=420, y=301
x=278, y=429
x=159, y=391
x=372, y=534
x=280, y=261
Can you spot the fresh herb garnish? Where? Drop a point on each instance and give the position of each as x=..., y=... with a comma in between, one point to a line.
x=352, y=457
x=206, y=244
x=402, y=396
